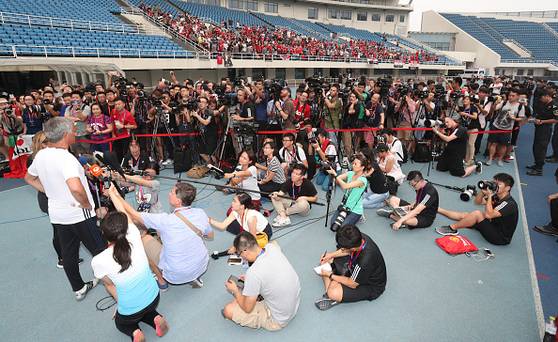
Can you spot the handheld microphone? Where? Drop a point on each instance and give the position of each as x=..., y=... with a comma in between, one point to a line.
x=95, y=170
x=109, y=159
x=219, y=172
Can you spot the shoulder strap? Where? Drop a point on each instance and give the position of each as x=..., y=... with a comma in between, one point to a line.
x=189, y=224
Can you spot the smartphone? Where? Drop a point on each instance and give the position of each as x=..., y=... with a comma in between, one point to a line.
x=488, y=253
x=234, y=260
x=239, y=283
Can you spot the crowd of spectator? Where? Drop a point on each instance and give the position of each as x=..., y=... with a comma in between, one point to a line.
x=266, y=41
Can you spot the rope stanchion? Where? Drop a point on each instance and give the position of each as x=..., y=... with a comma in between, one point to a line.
x=111, y=140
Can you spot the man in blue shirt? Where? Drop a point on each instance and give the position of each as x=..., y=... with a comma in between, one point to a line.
x=184, y=256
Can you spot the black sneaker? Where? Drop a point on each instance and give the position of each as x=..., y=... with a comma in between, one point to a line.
x=446, y=230
x=535, y=172
x=546, y=230
x=325, y=303
x=531, y=167
x=385, y=212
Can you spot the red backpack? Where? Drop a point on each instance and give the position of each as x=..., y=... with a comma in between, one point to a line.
x=455, y=245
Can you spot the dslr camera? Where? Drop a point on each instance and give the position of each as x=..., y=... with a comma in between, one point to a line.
x=342, y=213
x=488, y=185
x=469, y=192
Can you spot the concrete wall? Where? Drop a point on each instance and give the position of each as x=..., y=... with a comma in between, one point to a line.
x=484, y=57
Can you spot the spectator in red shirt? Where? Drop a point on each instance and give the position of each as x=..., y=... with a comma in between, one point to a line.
x=302, y=108
x=123, y=122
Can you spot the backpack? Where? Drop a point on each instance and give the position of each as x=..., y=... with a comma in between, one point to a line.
x=422, y=153
x=405, y=156
x=454, y=245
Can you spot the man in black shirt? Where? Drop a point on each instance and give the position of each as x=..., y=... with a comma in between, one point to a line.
x=302, y=192
x=452, y=158
x=358, y=271
x=421, y=213
x=208, y=129
x=135, y=159
x=545, y=116
x=497, y=222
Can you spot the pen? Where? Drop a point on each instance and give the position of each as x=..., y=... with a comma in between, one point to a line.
x=323, y=256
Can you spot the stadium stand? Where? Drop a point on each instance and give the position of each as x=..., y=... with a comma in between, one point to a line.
x=531, y=36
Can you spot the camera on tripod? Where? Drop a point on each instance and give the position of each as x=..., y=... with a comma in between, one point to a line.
x=488, y=185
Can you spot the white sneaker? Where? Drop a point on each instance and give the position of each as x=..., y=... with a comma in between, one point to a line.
x=283, y=222
x=167, y=162
x=80, y=294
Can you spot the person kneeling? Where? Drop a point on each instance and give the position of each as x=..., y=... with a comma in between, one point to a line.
x=420, y=214
x=270, y=276
x=302, y=192
x=125, y=271
x=452, y=158
x=358, y=269
x=497, y=222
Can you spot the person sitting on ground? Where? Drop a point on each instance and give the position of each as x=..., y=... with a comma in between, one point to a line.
x=147, y=191
x=375, y=196
x=452, y=158
x=124, y=269
x=395, y=145
x=291, y=153
x=302, y=193
x=243, y=217
x=497, y=222
x=421, y=213
x=271, y=276
x=246, y=177
x=274, y=175
x=387, y=162
x=184, y=257
x=552, y=227
x=326, y=152
x=135, y=159
x=358, y=269
x=354, y=183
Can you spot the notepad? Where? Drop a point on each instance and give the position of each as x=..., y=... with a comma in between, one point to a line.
x=326, y=267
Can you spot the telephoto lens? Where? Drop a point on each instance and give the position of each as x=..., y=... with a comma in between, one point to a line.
x=487, y=184
x=338, y=222
x=469, y=192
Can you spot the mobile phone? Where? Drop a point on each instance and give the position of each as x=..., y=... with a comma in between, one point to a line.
x=239, y=283
x=234, y=260
x=488, y=253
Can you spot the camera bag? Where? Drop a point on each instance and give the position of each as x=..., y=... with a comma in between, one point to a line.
x=422, y=153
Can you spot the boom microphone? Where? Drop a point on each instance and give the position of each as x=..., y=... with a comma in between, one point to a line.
x=109, y=159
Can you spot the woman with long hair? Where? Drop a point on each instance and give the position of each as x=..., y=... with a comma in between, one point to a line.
x=124, y=269
x=274, y=175
x=246, y=177
x=354, y=183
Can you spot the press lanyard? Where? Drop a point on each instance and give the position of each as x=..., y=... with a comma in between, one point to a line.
x=353, y=256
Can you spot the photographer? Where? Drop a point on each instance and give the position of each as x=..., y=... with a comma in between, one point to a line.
x=405, y=108
x=378, y=192
x=209, y=130
x=497, y=222
x=387, y=162
x=484, y=108
x=168, y=112
x=469, y=119
x=358, y=270
x=79, y=113
x=375, y=118
x=270, y=275
x=11, y=125
x=33, y=116
x=123, y=121
x=354, y=183
x=395, y=145
x=135, y=159
x=245, y=113
x=285, y=107
x=546, y=114
x=274, y=175
x=52, y=107
x=302, y=193
x=291, y=154
x=421, y=213
x=184, y=258
x=353, y=111
x=302, y=108
x=327, y=154
x=506, y=113
x=334, y=107
x=452, y=158
x=147, y=191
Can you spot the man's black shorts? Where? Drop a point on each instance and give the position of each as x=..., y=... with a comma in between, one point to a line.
x=423, y=221
x=490, y=232
x=362, y=292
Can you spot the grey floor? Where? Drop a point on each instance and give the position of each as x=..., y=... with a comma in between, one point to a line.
x=430, y=296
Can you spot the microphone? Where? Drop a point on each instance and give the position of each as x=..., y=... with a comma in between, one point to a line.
x=109, y=159
x=95, y=170
x=220, y=172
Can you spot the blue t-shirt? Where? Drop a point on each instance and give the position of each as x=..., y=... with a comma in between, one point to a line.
x=261, y=109
x=354, y=200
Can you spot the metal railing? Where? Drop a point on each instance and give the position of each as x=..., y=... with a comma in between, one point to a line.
x=53, y=22
x=16, y=50
x=529, y=60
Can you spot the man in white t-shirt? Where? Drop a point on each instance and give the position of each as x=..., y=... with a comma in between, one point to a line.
x=273, y=277
x=291, y=153
x=58, y=174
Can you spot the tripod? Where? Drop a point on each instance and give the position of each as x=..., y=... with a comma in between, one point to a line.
x=330, y=189
x=158, y=121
